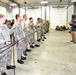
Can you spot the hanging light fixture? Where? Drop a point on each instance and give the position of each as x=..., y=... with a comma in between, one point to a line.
x=73, y=0
x=44, y=2
x=13, y=4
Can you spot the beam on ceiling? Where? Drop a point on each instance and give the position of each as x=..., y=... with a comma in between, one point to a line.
x=15, y=2
x=3, y=4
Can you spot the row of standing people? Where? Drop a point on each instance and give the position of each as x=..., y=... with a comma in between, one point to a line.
x=24, y=34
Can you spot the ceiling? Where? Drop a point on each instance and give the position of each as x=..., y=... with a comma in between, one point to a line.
x=37, y=2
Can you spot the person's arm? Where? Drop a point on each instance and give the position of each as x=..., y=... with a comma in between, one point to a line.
x=23, y=29
x=3, y=41
x=18, y=33
x=29, y=25
x=11, y=30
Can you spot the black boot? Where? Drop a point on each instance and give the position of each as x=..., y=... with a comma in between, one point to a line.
x=3, y=73
x=28, y=50
x=11, y=67
x=37, y=45
x=23, y=58
x=38, y=40
x=44, y=37
x=20, y=61
x=24, y=52
x=31, y=46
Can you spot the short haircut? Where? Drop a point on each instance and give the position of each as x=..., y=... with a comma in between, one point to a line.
x=1, y=15
x=17, y=15
x=24, y=15
x=30, y=18
x=8, y=21
x=38, y=18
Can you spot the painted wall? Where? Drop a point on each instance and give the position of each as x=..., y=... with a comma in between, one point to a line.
x=16, y=11
x=35, y=13
x=43, y=12
x=22, y=12
x=2, y=10
x=70, y=12
x=58, y=17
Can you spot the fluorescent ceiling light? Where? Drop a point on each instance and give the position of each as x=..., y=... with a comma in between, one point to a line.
x=73, y=0
x=44, y=2
x=13, y=4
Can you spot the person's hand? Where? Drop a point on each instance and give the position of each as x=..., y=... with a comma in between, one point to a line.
x=20, y=43
x=8, y=43
x=24, y=37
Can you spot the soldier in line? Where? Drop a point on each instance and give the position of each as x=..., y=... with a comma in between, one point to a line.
x=25, y=32
x=42, y=24
x=8, y=24
x=5, y=56
x=38, y=28
x=32, y=33
x=20, y=38
x=47, y=26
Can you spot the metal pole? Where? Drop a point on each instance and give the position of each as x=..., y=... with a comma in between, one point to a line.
x=19, y=8
x=14, y=61
x=13, y=39
x=49, y=13
x=67, y=18
x=75, y=8
x=67, y=15
x=25, y=10
x=41, y=12
x=45, y=12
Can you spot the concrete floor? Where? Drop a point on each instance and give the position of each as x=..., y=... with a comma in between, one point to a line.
x=55, y=56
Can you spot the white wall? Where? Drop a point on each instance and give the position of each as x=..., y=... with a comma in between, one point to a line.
x=48, y=13
x=2, y=10
x=58, y=17
x=22, y=12
x=35, y=13
x=70, y=13
x=16, y=11
x=43, y=12
x=7, y=12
